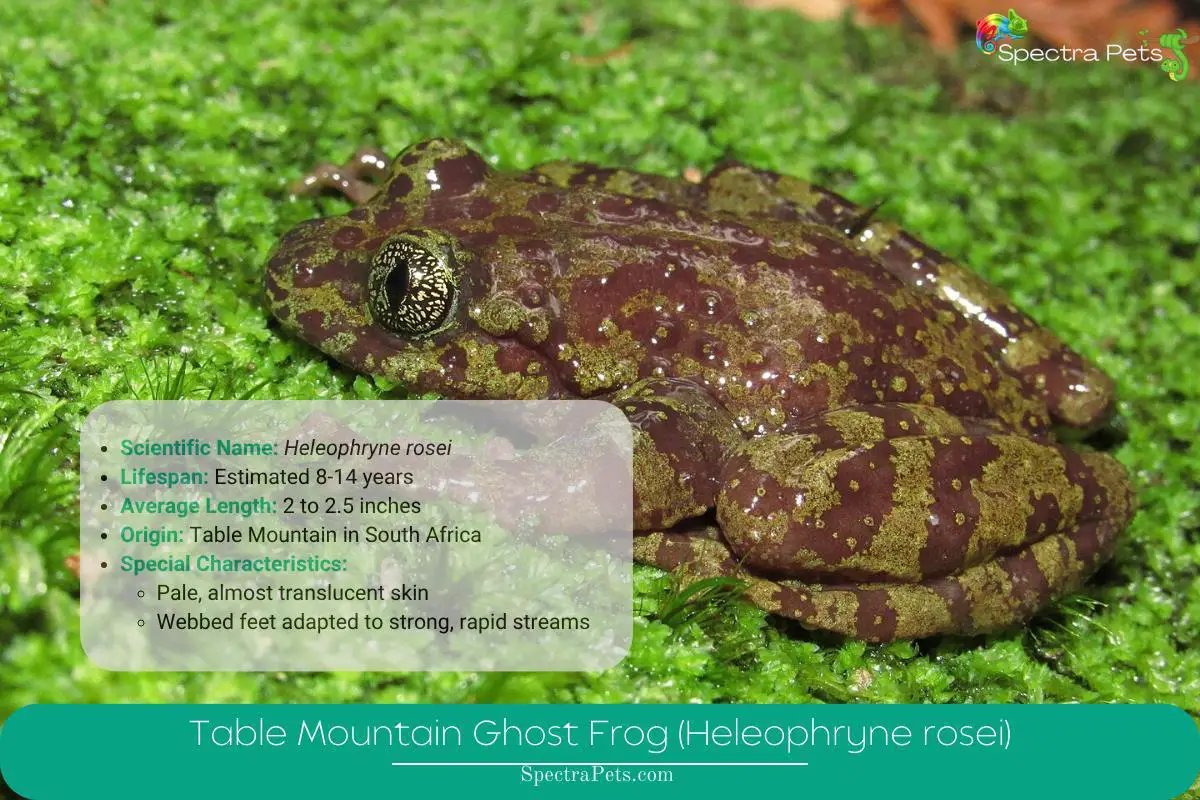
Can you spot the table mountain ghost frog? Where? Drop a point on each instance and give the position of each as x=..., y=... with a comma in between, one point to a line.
x=823, y=406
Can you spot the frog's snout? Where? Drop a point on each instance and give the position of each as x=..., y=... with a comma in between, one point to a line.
x=313, y=287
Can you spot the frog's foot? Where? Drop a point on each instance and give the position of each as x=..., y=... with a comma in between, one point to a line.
x=349, y=177
x=1076, y=393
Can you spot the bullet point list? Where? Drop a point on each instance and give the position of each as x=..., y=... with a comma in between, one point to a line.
x=223, y=522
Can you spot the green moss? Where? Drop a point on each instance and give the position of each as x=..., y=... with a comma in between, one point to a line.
x=143, y=163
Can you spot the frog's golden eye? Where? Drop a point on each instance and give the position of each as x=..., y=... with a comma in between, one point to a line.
x=412, y=288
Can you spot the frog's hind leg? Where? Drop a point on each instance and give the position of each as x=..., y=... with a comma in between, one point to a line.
x=348, y=179
x=895, y=492
x=899, y=521
x=987, y=597
x=991, y=596
x=1076, y=393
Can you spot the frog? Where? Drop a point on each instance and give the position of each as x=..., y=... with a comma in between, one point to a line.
x=863, y=433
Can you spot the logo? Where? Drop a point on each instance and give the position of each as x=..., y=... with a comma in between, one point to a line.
x=1177, y=67
x=995, y=34
x=994, y=27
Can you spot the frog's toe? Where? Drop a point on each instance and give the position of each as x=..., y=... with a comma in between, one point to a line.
x=348, y=178
x=696, y=547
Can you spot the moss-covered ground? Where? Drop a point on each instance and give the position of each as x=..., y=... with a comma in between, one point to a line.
x=145, y=151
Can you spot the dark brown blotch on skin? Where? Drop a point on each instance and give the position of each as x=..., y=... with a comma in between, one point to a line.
x=399, y=187
x=459, y=176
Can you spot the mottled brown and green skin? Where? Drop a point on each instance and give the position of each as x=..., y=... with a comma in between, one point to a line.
x=870, y=422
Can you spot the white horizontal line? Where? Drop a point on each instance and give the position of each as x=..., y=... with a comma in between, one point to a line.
x=599, y=763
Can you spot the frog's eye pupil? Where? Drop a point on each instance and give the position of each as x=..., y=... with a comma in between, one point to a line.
x=412, y=287
x=397, y=284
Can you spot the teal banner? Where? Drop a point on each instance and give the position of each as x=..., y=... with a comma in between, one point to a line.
x=323, y=751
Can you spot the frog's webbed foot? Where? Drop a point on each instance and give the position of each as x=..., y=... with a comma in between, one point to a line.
x=348, y=179
x=1076, y=393
x=896, y=521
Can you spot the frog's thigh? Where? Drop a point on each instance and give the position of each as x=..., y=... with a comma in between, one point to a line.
x=1076, y=392
x=850, y=500
x=681, y=440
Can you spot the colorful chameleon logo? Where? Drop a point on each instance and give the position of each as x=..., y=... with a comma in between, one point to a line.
x=1177, y=67
x=994, y=27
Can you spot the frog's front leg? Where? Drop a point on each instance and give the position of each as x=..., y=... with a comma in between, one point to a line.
x=682, y=440
x=1076, y=393
x=348, y=179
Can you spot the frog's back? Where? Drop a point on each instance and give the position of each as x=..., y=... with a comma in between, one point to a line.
x=778, y=319
x=576, y=280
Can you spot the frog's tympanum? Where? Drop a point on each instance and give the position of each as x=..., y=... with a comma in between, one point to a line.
x=822, y=405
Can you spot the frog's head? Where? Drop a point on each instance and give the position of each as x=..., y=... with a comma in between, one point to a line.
x=438, y=282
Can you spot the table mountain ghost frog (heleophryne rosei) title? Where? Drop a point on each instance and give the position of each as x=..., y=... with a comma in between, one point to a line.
x=823, y=406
